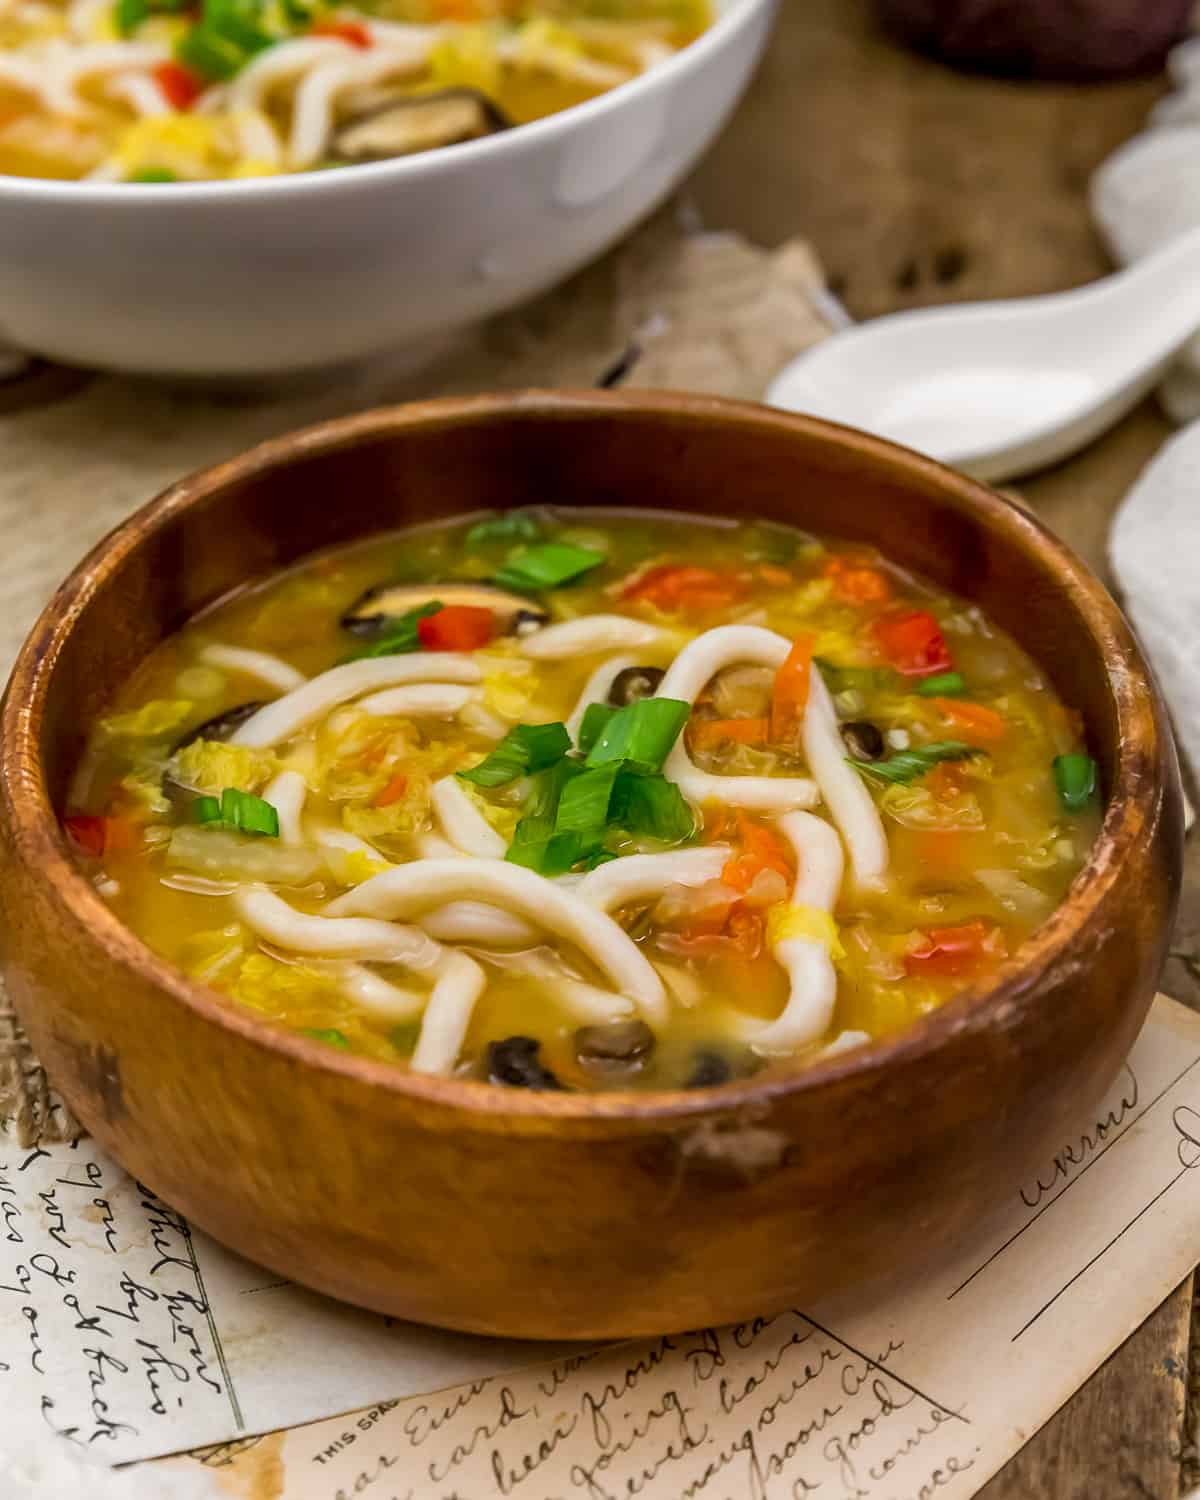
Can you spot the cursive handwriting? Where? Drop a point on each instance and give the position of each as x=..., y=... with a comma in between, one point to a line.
x=1076, y=1153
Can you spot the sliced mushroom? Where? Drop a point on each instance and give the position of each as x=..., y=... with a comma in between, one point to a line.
x=377, y=609
x=417, y=122
x=613, y=1046
x=633, y=684
x=219, y=727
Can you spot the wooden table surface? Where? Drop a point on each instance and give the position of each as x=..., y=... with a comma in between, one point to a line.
x=919, y=185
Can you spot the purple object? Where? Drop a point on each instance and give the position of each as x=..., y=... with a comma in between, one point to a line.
x=1069, y=39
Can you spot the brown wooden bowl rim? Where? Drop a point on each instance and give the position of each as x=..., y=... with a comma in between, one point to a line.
x=44, y=854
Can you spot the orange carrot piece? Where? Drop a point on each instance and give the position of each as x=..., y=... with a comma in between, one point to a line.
x=978, y=724
x=790, y=697
x=394, y=790
x=857, y=583
x=709, y=733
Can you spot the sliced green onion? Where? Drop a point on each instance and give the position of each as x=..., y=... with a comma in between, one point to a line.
x=153, y=174
x=128, y=15
x=943, y=685
x=584, y=804
x=653, y=806
x=402, y=634
x=595, y=718
x=211, y=56
x=1076, y=778
x=206, y=810
x=547, y=567
x=248, y=813
x=549, y=853
x=329, y=1035
x=641, y=735
x=855, y=679
x=910, y=765
x=524, y=749
x=516, y=526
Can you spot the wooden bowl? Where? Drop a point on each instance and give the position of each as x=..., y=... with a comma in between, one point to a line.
x=566, y=1215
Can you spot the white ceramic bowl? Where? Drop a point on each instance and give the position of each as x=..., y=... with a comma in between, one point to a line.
x=283, y=274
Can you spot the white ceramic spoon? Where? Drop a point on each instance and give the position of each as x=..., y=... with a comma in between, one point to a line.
x=1001, y=388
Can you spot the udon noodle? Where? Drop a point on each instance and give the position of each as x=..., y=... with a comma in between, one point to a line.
x=636, y=803
x=187, y=90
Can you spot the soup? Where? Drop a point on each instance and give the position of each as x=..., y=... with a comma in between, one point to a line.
x=170, y=90
x=588, y=801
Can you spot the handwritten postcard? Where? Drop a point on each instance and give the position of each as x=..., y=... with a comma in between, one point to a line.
x=135, y=1335
x=123, y=1329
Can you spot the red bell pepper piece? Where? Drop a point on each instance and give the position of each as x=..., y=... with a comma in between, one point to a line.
x=911, y=640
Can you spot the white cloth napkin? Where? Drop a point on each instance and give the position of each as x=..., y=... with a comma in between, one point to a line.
x=1148, y=191
x=1142, y=196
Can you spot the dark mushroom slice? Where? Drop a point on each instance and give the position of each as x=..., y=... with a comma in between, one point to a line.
x=417, y=122
x=514, y=1062
x=374, y=613
x=219, y=727
x=613, y=1046
x=634, y=683
x=708, y=1069
x=863, y=740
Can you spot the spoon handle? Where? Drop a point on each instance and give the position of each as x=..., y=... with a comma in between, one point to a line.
x=1154, y=303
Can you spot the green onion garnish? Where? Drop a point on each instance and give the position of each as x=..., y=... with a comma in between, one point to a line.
x=402, y=635
x=653, y=806
x=153, y=174
x=329, y=1035
x=584, y=803
x=516, y=526
x=856, y=679
x=248, y=813
x=206, y=810
x=128, y=15
x=547, y=567
x=1076, y=778
x=910, y=765
x=550, y=853
x=595, y=717
x=943, y=685
x=524, y=749
x=641, y=735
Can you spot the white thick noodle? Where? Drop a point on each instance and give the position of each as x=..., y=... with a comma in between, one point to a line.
x=637, y=877
x=448, y=1014
x=366, y=939
x=314, y=100
x=286, y=794
x=65, y=69
x=272, y=670
x=279, y=65
x=421, y=700
x=700, y=661
x=371, y=992
x=586, y=1002
x=462, y=822
x=258, y=140
x=808, y=962
x=142, y=94
x=476, y=922
x=296, y=710
x=587, y=634
x=845, y=795
x=410, y=889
